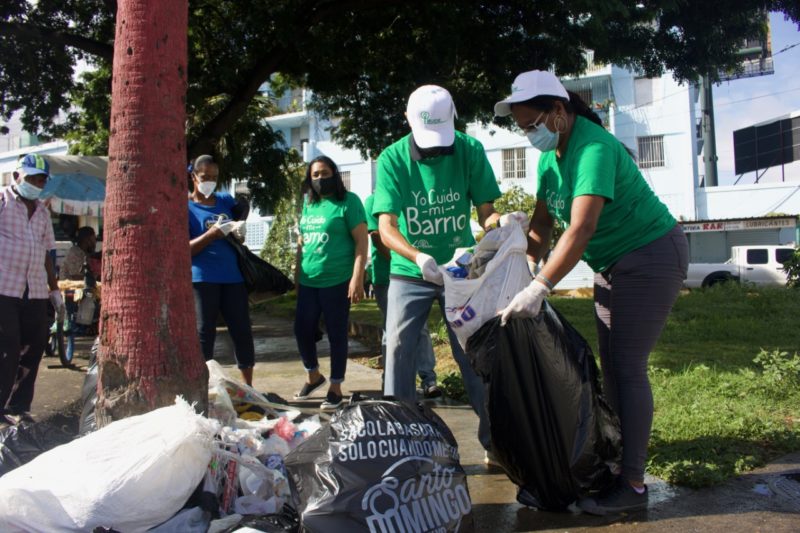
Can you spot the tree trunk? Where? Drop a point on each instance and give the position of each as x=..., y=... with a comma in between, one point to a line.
x=149, y=350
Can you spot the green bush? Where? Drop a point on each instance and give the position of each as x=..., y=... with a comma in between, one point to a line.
x=515, y=199
x=779, y=368
x=452, y=386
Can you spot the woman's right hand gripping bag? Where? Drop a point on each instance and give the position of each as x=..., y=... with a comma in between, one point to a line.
x=551, y=428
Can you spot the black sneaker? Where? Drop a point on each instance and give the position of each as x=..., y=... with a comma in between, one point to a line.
x=332, y=401
x=619, y=498
x=432, y=391
x=308, y=388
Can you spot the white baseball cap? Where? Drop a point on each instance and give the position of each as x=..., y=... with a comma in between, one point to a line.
x=530, y=85
x=431, y=114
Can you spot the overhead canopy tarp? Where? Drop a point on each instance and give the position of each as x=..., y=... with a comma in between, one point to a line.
x=77, y=184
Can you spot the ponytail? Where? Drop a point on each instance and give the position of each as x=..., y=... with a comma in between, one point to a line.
x=578, y=106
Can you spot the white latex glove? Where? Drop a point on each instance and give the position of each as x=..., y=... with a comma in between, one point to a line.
x=430, y=271
x=58, y=304
x=224, y=225
x=239, y=230
x=518, y=216
x=527, y=303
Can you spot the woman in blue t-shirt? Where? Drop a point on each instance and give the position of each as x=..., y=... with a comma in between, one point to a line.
x=216, y=279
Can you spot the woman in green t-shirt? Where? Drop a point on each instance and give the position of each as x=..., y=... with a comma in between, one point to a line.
x=589, y=182
x=329, y=275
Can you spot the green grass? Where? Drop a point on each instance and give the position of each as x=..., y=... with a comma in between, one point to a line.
x=717, y=413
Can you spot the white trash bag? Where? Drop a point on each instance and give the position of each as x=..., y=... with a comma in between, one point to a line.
x=470, y=303
x=131, y=475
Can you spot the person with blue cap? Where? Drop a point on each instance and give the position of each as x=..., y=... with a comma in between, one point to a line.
x=27, y=283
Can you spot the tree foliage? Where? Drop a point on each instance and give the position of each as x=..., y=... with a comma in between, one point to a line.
x=280, y=248
x=360, y=57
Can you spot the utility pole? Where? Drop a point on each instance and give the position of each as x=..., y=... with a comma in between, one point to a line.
x=709, y=137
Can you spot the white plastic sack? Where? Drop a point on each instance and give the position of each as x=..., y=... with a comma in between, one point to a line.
x=193, y=520
x=469, y=303
x=131, y=475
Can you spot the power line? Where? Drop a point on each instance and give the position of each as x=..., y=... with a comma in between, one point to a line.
x=758, y=97
x=618, y=123
x=785, y=48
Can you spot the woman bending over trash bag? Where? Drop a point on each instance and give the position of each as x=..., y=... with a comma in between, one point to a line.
x=589, y=182
x=331, y=259
x=216, y=279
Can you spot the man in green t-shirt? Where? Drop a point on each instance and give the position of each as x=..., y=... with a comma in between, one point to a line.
x=426, y=185
x=379, y=270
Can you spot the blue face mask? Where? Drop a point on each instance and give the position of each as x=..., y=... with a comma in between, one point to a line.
x=28, y=191
x=543, y=139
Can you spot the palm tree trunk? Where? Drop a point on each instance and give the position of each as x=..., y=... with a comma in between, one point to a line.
x=149, y=350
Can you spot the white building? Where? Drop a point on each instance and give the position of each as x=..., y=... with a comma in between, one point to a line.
x=657, y=118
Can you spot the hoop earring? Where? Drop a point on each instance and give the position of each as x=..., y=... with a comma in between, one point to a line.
x=560, y=123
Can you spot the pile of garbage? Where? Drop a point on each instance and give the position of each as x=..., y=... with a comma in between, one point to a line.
x=169, y=470
x=254, y=464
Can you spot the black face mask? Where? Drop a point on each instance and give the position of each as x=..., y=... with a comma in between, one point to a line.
x=433, y=151
x=324, y=186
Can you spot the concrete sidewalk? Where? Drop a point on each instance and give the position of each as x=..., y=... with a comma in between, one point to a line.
x=765, y=499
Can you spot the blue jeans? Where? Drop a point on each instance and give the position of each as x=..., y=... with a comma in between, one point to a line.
x=408, y=308
x=426, y=360
x=331, y=302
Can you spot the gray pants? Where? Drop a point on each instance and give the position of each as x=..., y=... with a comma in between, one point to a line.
x=426, y=359
x=632, y=300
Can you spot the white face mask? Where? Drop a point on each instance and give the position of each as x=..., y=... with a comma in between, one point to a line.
x=206, y=188
x=543, y=139
x=28, y=190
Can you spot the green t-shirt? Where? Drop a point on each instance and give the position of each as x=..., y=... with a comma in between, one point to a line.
x=432, y=197
x=328, y=246
x=379, y=265
x=596, y=163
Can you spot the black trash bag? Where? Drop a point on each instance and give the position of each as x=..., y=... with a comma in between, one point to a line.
x=24, y=442
x=380, y=466
x=259, y=276
x=552, y=430
x=89, y=393
x=287, y=521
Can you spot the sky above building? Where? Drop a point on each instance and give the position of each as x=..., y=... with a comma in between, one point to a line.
x=744, y=102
